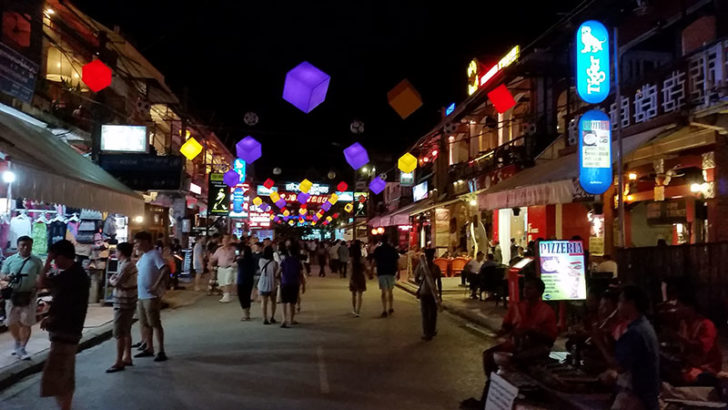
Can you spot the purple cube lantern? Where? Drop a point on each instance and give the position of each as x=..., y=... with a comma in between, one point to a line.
x=326, y=206
x=264, y=207
x=281, y=203
x=306, y=86
x=248, y=149
x=356, y=155
x=377, y=185
x=231, y=178
x=303, y=197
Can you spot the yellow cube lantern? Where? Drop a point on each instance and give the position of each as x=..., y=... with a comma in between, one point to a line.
x=404, y=98
x=272, y=217
x=349, y=207
x=328, y=218
x=313, y=223
x=333, y=199
x=302, y=211
x=191, y=149
x=286, y=213
x=407, y=163
x=274, y=196
x=305, y=186
x=257, y=201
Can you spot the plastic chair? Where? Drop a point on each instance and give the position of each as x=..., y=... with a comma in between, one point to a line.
x=444, y=265
x=458, y=264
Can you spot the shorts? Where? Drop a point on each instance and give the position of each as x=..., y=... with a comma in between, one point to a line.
x=23, y=315
x=266, y=294
x=123, y=318
x=149, y=312
x=289, y=293
x=386, y=282
x=59, y=371
x=225, y=276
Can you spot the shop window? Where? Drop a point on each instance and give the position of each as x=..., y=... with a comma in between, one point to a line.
x=62, y=67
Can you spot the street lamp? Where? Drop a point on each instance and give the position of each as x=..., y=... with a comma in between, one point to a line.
x=9, y=177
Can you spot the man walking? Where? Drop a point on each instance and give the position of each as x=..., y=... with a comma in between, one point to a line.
x=334, y=257
x=343, y=258
x=151, y=270
x=64, y=323
x=222, y=260
x=387, y=260
x=19, y=274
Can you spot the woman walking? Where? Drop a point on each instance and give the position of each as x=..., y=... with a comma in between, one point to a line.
x=292, y=280
x=428, y=276
x=321, y=254
x=266, y=284
x=358, y=282
x=125, y=301
x=246, y=273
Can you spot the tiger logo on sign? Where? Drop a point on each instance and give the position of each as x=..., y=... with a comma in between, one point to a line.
x=591, y=43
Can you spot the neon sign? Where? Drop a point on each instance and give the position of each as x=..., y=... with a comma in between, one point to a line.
x=473, y=76
x=592, y=62
x=595, y=152
x=450, y=108
x=504, y=62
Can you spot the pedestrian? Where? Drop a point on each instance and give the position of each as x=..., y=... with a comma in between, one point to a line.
x=334, y=257
x=428, y=276
x=198, y=259
x=222, y=262
x=343, y=258
x=292, y=280
x=266, y=284
x=321, y=253
x=305, y=257
x=257, y=254
x=514, y=249
x=212, y=245
x=124, y=282
x=18, y=278
x=471, y=269
x=64, y=323
x=387, y=261
x=151, y=271
x=246, y=273
x=358, y=282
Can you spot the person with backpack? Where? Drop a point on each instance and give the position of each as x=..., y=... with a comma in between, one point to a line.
x=292, y=280
x=267, y=284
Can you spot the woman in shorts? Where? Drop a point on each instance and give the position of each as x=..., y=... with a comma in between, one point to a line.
x=267, y=284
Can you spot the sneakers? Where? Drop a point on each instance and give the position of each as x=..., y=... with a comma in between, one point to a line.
x=161, y=357
x=225, y=298
x=22, y=354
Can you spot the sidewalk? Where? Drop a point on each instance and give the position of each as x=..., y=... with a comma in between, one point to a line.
x=97, y=328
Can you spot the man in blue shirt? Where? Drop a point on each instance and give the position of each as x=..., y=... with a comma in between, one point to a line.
x=151, y=271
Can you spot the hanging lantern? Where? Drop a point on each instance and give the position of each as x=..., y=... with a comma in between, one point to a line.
x=407, y=163
x=342, y=186
x=281, y=203
x=231, y=178
x=249, y=149
x=250, y=119
x=404, y=98
x=265, y=207
x=306, y=86
x=305, y=186
x=272, y=217
x=331, y=174
x=257, y=201
x=326, y=206
x=335, y=215
x=502, y=99
x=303, y=197
x=349, y=207
x=274, y=196
x=333, y=199
x=356, y=155
x=329, y=219
x=356, y=127
x=96, y=75
x=277, y=171
x=191, y=149
x=286, y=212
x=302, y=211
x=269, y=183
x=291, y=222
x=377, y=185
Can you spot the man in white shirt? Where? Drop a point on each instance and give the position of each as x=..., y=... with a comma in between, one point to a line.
x=152, y=270
x=608, y=265
x=471, y=269
x=334, y=257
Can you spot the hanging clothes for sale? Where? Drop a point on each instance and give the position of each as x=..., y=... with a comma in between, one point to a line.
x=4, y=232
x=56, y=231
x=40, y=237
x=110, y=227
x=19, y=226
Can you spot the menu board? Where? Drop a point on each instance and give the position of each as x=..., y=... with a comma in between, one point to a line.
x=562, y=270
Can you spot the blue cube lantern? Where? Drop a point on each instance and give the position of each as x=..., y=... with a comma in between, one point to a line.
x=306, y=86
x=303, y=197
x=356, y=155
x=248, y=149
x=377, y=185
x=326, y=206
x=231, y=178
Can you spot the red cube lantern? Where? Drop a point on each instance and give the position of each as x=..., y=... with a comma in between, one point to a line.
x=502, y=99
x=335, y=215
x=269, y=183
x=96, y=75
x=342, y=186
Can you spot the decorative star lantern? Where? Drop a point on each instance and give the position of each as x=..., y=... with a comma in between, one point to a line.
x=257, y=201
x=191, y=149
x=326, y=206
x=333, y=199
x=281, y=203
x=303, y=197
x=231, y=178
x=342, y=186
x=356, y=155
x=306, y=86
x=305, y=186
x=269, y=183
x=377, y=185
x=404, y=98
x=349, y=207
x=248, y=149
x=96, y=75
x=502, y=99
x=407, y=163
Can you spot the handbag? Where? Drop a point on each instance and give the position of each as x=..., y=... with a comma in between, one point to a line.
x=23, y=298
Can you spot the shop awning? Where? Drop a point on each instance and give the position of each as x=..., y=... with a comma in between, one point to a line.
x=400, y=216
x=49, y=170
x=553, y=181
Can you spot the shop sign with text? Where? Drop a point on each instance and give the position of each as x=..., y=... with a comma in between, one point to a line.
x=218, y=197
x=562, y=270
x=595, y=152
x=592, y=62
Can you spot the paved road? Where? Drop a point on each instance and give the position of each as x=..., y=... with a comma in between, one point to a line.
x=330, y=361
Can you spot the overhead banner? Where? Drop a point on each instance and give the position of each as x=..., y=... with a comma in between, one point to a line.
x=562, y=270
x=218, y=197
x=592, y=62
x=595, y=152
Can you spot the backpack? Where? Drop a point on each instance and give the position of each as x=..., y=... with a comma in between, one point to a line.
x=290, y=271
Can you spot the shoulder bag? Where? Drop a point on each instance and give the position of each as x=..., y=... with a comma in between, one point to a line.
x=17, y=298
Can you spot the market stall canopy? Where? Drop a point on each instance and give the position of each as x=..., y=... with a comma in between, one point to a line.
x=401, y=216
x=49, y=170
x=553, y=181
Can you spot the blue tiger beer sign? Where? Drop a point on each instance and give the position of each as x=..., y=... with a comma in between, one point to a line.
x=595, y=152
x=592, y=62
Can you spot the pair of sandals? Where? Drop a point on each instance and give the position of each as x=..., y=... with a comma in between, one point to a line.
x=115, y=368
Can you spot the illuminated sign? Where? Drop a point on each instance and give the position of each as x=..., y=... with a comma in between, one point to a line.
x=473, y=69
x=195, y=189
x=347, y=196
x=420, y=191
x=239, y=167
x=595, y=152
x=562, y=270
x=407, y=178
x=510, y=58
x=218, y=195
x=239, y=201
x=450, y=108
x=124, y=138
x=258, y=218
x=263, y=191
x=592, y=62
x=316, y=189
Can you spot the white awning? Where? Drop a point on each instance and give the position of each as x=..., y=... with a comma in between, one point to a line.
x=553, y=181
x=49, y=170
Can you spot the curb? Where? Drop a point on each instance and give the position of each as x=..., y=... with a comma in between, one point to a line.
x=411, y=289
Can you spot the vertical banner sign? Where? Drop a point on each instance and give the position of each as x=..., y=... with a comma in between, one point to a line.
x=592, y=62
x=218, y=196
x=595, y=152
x=562, y=270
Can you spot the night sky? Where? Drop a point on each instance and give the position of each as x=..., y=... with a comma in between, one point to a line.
x=233, y=55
